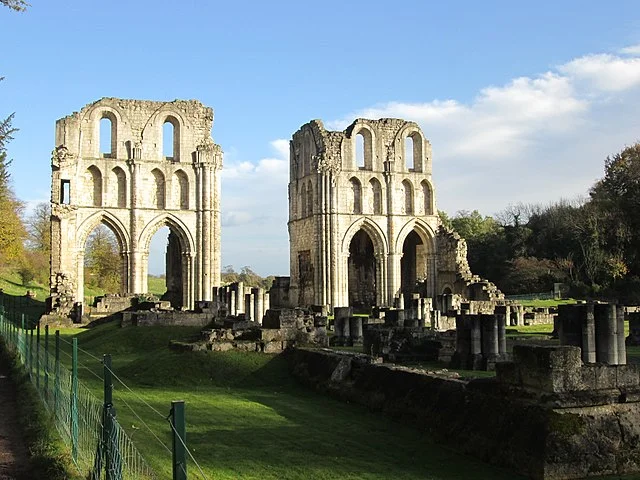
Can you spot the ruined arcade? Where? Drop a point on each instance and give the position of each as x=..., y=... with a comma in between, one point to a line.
x=363, y=224
x=135, y=189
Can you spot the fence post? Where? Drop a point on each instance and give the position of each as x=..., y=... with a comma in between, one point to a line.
x=113, y=461
x=31, y=354
x=74, y=401
x=46, y=363
x=56, y=384
x=23, y=343
x=38, y=356
x=179, y=435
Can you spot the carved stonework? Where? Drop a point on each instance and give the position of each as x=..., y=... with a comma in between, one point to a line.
x=327, y=164
x=60, y=211
x=60, y=155
x=208, y=152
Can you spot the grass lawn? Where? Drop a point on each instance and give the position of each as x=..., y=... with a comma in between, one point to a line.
x=547, y=303
x=247, y=418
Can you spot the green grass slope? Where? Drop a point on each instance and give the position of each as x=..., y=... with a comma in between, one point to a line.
x=247, y=419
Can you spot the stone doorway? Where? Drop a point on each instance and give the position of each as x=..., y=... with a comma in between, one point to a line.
x=362, y=273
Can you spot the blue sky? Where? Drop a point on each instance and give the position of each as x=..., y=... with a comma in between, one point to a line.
x=522, y=101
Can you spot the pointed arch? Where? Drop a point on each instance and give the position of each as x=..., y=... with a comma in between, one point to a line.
x=356, y=195
x=157, y=189
x=171, y=138
x=379, y=239
x=91, y=222
x=427, y=197
x=175, y=224
x=363, y=140
x=118, y=188
x=407, y=189
x=180, y=192
x=93, y=186
x=426, y=233
x=375, y=189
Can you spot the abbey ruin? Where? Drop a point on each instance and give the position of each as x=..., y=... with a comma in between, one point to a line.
x=135, y=189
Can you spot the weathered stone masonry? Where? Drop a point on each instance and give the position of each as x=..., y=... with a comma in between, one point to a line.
x=364, y=230
x=135, y=190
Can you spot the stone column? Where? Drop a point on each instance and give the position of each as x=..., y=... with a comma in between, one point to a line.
x=240, y=298
x=249, y=313
x=233, y=295
x=258, y=304
x=267, y=302
x=355, y=330
x=588, y=343
x=490, y=342
x=621, y=347
x=606, y=333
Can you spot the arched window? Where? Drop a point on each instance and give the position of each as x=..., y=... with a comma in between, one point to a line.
x=310, y=198
x=93, y=186
x=118, y=187
x=356, y=190
x=428, y=198
x=181, y=190
x=157, y=195
x=171, y=139
x=408, y=197
x=413, y=152
x=108, y=136
x=303, y=201
x=376, y=196
x=360, y=150
x=363, y=150
x=408, y=153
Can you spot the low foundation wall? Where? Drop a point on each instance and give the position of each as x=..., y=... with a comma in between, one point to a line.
x=483, y=417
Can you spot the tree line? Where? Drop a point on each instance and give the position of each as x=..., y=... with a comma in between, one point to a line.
x=591, y=244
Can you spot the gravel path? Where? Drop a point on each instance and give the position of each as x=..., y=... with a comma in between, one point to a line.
x=13, y=453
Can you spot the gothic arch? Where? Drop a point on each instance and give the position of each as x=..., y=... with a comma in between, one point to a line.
x=411, y=130
x=369, y=138
x=424, y=231
x=427, y=197
x=175, y=224
x=89, y=224
x=90, y=147
x=376, y=234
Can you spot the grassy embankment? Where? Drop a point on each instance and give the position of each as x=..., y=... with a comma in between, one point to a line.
x=248, y=419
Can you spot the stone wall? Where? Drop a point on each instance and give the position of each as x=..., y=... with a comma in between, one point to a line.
x=135, y=189
x=551, y=432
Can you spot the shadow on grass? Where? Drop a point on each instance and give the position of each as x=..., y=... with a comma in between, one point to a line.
x=16, y=305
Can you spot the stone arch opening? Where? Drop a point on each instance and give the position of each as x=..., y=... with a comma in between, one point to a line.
x=408, y=153
x=107, y=135
x=407, y=190
x=362, y=273
x=93, y=186
x=171, y=139
x=103, y=261
x=356, y=193
x=118, y=188
x=363, y=150
x=178, y=268
x=157, y=190
x=427, y=196
x=376, y=196
x=181, y=190
x=413, y=265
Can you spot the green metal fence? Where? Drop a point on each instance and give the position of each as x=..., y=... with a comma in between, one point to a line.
x=99, y=446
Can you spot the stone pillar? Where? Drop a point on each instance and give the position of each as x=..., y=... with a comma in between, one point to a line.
x=490, y=344
x=233, y=298
x=502, y=316
x=240, y=298
x=258, y=304
x=606, y=333
x=249, y=313
x=570, y=331
x=355, y=330
x=621, y=347
x=267, y=302
x=476, y=334
x=588, y=343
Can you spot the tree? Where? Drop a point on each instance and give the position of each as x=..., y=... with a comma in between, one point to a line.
x=103, y=265
x=17, y=5
x=12, y=232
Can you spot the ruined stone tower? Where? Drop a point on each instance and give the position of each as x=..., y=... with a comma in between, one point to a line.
x=363, y=223
x=135, y=189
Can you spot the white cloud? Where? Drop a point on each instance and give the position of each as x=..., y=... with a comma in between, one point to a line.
x=533, y=139
x=605, y=72
x=631, y=50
